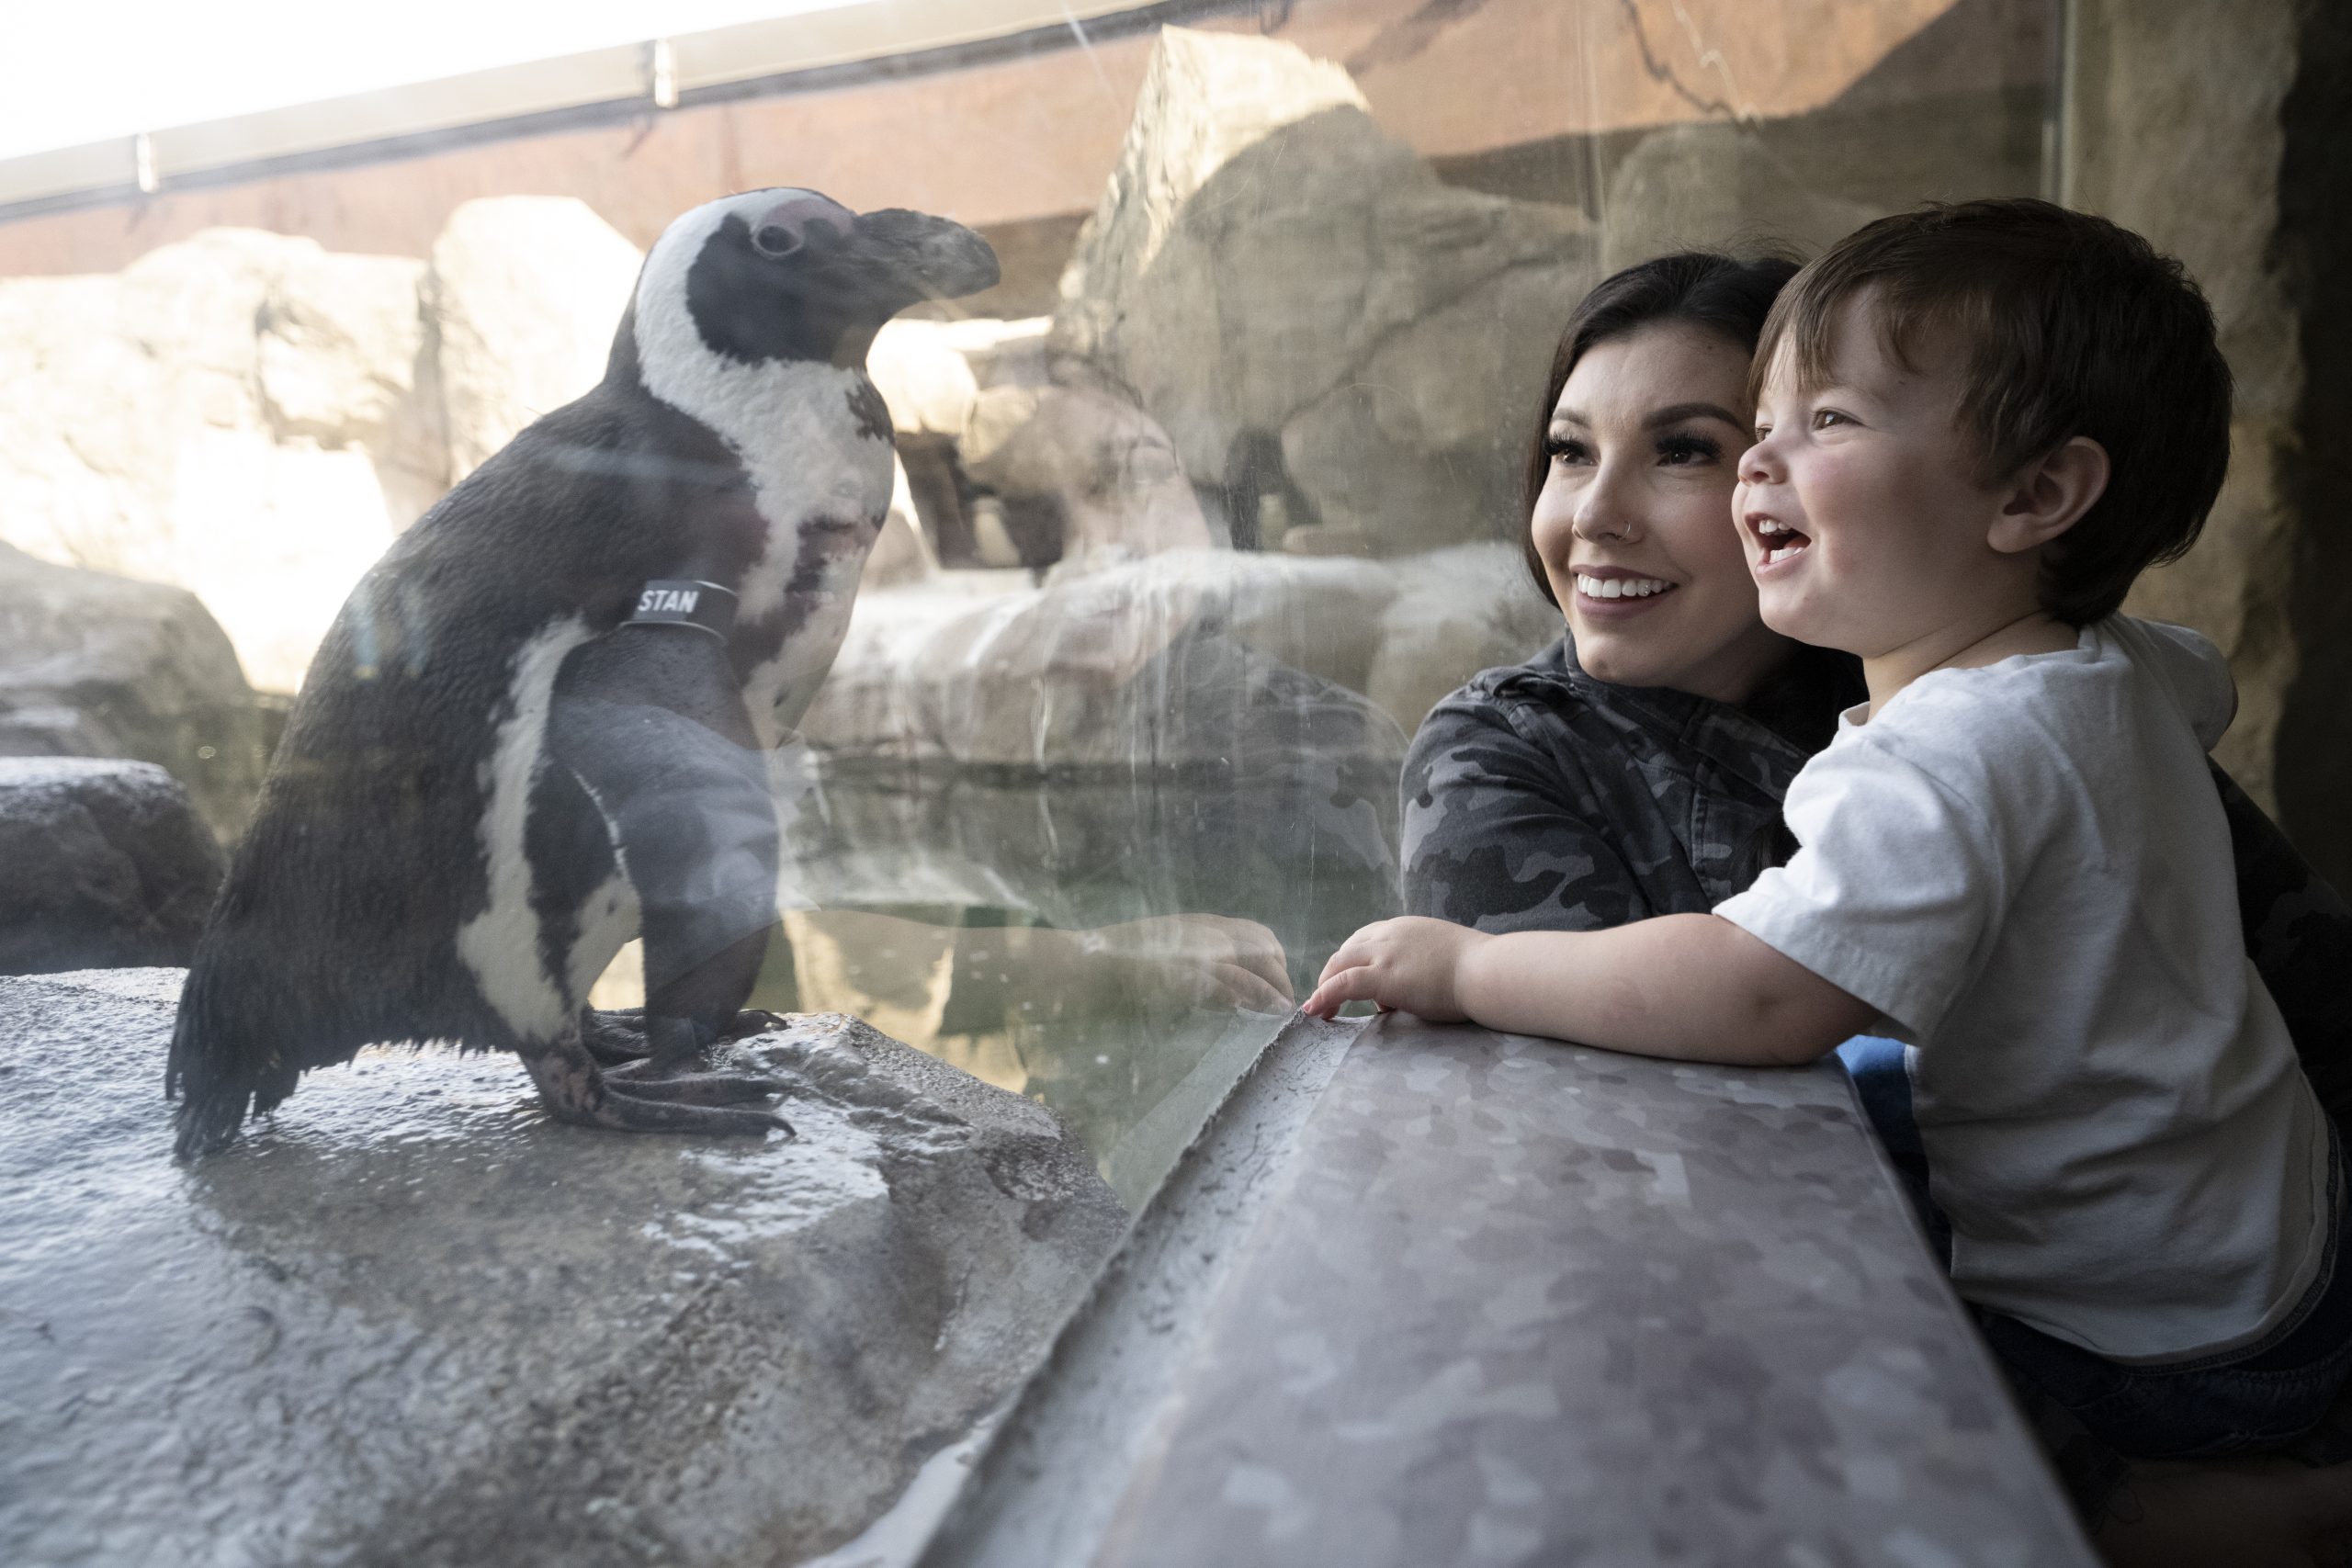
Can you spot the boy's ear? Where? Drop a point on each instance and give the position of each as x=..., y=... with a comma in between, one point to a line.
x=2050, y=495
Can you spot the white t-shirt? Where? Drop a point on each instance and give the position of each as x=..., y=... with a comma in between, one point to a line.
x=2026, y=868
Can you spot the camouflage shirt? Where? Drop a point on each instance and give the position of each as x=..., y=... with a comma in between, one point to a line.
x=1537, y=797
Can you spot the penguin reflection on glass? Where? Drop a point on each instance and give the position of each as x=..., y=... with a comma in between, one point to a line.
x=537, y=728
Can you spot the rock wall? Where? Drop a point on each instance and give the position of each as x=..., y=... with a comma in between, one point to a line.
x=2220, y=131
x=1268, y=272
x=253, y=418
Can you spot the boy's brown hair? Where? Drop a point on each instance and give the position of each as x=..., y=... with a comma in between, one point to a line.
x=2072, y=326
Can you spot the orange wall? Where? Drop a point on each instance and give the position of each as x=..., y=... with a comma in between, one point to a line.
x=1034, y=137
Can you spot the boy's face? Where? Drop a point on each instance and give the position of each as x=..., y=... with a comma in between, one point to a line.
x=1863, y=517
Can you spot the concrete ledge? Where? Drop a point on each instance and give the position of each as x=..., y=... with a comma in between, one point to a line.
x=1489, y=1299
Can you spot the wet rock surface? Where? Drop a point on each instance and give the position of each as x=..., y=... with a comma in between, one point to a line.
x=411, y=1321
x=107, y=863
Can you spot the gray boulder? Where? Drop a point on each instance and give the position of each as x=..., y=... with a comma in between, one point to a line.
x=1270, y=271
x=411, y=1321
x=1188, y=659
x=106, y=865
x=94, y=665
x=1715, y=186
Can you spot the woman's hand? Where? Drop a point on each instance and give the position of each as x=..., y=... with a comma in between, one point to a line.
x=1413, y=964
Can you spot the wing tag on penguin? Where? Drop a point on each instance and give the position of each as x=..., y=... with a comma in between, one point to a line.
x=499, y=770
x=685, y=602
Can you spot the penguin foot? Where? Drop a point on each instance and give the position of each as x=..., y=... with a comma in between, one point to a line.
x=615, y=1037
x=619, y=1035
x=635, y=1113
x=691, y=1088
x=574, y=1090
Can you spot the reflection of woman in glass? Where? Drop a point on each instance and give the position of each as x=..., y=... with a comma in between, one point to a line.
x=1637, y=767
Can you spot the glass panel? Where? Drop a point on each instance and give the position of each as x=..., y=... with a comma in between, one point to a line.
x=1187, y=521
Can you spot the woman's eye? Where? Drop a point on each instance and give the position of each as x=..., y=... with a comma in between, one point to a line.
x=1684, y=449
x=1567, y=449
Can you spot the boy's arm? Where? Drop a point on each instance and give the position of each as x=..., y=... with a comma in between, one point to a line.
x=1693, y=987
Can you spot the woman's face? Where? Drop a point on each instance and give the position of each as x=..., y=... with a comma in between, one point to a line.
x=1634, y=524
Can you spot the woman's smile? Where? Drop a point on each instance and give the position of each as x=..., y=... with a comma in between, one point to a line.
x=1613, y=591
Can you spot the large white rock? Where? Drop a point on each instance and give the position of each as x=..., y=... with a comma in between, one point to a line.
x=240, y=413
x=1178, y=659
x=1267, y=260
x=923, y=377
x=1091, y=465
x=527, y=292
x=1459, y=611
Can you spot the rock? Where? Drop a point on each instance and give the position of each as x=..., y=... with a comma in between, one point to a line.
x=1084, y=468
x=410, y=1320
x=1714, y=186
x=924, y=381
x=902, y=553
x=93, y=665
x=526, y=291
x=241, y=414
x=2217, y=131
x=1189, y=659
x=1460, y=611
x=1002, y=353
x=108, y=862
x=1258, y=250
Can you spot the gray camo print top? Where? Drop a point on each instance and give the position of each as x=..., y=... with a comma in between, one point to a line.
x=1539, y=798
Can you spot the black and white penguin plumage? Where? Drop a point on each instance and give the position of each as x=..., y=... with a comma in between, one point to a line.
x=535, y=731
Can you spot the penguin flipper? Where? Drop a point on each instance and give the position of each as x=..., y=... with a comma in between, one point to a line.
x=651, y=722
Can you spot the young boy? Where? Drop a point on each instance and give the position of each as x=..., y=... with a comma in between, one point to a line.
x=1975, y=426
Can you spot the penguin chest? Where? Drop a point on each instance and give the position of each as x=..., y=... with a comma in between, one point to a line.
x=821, y=520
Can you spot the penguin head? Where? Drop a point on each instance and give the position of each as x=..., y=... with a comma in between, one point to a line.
x=789, y=275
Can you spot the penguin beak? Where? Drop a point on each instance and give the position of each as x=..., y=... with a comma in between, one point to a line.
x=924, y=257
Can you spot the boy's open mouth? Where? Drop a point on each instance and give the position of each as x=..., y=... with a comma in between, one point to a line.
x=1778, y=540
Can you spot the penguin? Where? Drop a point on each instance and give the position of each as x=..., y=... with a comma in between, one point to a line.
x=538, y=726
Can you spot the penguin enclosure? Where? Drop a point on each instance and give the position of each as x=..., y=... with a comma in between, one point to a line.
x=895, y=548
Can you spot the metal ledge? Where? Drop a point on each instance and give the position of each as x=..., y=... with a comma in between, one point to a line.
x=1483, y=1299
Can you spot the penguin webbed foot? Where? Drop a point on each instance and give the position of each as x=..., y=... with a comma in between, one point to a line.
x=690, y=1088
x=576, y=1091
x=615, y=1037
x=619, y=1035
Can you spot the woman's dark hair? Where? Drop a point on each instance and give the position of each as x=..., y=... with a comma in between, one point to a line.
x=1726, y=295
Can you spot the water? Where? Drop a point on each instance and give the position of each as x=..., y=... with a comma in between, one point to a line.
x=1102, y=944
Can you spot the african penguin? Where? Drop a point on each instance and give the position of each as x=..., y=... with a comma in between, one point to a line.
x=536, y=728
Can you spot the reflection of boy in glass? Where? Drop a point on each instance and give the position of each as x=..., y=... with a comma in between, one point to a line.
x=1976, y=425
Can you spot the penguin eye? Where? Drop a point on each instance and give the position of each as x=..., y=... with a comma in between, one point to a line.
x=775, y=239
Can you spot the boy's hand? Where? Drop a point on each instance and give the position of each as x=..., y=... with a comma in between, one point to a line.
x=1411, y=965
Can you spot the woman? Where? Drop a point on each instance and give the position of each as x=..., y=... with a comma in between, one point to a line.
x=1637, y=767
